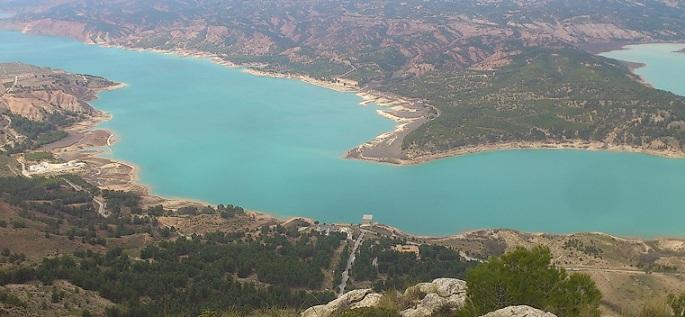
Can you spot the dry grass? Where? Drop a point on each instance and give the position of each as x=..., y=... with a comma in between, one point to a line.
x=272, y=312
x=655, y=307
x=391, y=300
x=398, y=301
x=38, y=301
x=624, y=294
x=32, y=241
x=204, y=223
x=616, y=267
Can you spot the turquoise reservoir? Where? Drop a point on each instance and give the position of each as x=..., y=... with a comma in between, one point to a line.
x=204, y=131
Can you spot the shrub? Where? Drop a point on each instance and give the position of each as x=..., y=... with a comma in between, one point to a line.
x=677, y=304
x=390, y=300
x=527, y=277
x=11, y=300
x=208, y=313
x=19, y=224
x=39, y=156
x=655, y=307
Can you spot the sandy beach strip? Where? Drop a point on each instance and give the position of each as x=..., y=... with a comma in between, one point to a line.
x=571, y=145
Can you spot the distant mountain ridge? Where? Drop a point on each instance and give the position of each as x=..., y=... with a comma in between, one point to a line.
x=377, y=38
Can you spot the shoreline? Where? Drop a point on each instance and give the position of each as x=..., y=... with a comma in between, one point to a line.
x=118, y=174
x=515, y=146
x=632, y=66
x=92, y=142
x=598, y=48
x=409, y=114
x=93, y=152
x=89, y=152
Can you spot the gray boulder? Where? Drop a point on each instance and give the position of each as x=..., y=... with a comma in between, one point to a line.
x=519, y=311
x=353, y=299
x=370, y=300
x=438, y=294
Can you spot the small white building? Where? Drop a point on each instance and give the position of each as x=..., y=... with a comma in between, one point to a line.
x=367, y=220
x=55, y=168
x=346, y=231
x=327, y=229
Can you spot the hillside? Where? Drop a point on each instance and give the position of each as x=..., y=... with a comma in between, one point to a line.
x=381, y=38
x=431, y=54
x=35, y=103
x=544, y=98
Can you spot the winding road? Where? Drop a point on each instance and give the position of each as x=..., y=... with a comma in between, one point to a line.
x=97, y=199
x=350, y=261
x=9, y=90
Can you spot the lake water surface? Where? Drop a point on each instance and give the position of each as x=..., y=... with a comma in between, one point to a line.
x=204, y=131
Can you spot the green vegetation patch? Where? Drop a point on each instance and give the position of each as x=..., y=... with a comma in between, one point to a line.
x=187, y=276
x=8, y=166
x=399, y=270
x=38, y=133
x=11, y=300
x=39, y=156
x=527, y=277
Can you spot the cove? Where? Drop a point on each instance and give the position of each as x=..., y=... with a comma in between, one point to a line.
x=664, y=65
x=199, y=130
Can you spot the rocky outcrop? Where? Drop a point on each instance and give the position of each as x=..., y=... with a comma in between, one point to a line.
x=439, y=294
x=350, y=300
x=519, y=311
x=427, y=298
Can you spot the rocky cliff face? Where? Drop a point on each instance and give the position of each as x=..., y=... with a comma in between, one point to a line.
x=423, y=300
